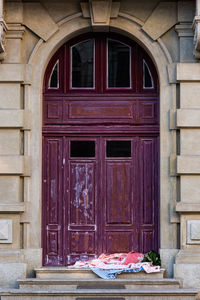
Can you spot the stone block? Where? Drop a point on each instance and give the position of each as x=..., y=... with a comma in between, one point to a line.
x=161, y=20
x=188, y=117
x=186, y=11
x=40, y=22
x=189, y=273
x=17, y=164
x=143, y=8
x=33, y=258
x=10, y=189
x=10, y=95
x=168, y=259
x=15, y=118
x=189, y=256
x=186, y=49
x=187, y=207
x=11, y=118
x=15, y=73
x=11, y=256
x=10, y=141
x=188, y=72
x=10, y=272
x=193, y=232
x=189, y=95
x=59, y=10
x=13, y=51
x=100, y=12
x=190, y=189
x=171, y=42
x=189, y=139
x=171, y=68
x=12, y=208
x=173, y=164
x=172, y=118
x=187, y=164
x=14, y=13
x=5, y=231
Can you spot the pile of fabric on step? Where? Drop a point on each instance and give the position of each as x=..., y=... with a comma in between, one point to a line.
x=109, y=266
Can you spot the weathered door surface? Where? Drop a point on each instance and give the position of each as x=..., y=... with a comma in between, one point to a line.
x=100, y=151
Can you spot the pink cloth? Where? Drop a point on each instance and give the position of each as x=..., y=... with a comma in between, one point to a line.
x=131, y=260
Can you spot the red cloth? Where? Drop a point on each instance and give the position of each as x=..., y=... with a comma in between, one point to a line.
x=133, y=257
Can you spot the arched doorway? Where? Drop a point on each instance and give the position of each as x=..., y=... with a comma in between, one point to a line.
x=100, y=150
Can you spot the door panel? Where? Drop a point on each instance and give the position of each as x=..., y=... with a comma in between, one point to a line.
x=82, y=193
x=82, y=219
x=81, y=199
x=52, y=179
x=118, y=192
x=119, y=226
x=148, y=166
x=107, y=203
x=118, y=241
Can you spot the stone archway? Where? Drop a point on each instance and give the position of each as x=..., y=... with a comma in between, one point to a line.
x=67, y=29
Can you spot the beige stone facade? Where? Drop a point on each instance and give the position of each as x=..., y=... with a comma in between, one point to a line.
x=31, y=32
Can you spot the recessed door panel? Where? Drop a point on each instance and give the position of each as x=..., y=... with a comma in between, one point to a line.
x=81, y=199
x=53, y=220
x=149, y=183
x=82, y=193
x=118, y=192
x=120, y=227
x=118, y=241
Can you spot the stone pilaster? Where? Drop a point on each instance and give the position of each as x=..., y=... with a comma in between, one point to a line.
x=187, y=264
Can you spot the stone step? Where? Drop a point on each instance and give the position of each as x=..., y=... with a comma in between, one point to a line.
x=99, y=294
x=68, y=273
x=66, y=284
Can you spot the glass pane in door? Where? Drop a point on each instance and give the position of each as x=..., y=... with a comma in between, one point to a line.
x=82, y=149
x=118, y=65
x=83, y=65
x=118, y=148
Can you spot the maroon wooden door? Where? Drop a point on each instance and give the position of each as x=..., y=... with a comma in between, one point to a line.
x=100, y=151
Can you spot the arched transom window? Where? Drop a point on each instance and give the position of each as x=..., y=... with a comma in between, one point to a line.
x=104, y=63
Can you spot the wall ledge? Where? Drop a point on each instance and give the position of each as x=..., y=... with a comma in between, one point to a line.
x=12, y=208
x=188, y=207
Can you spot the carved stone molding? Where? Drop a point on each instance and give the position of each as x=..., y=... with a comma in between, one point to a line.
x=15, y=31
x=100, y=12
x=193, y=232
x=3, y=30
x=196, y=28
x=5, y=231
